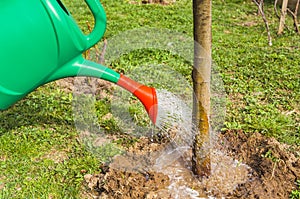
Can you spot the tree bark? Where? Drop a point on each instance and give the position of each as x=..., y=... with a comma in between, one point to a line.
x=282, y=16
x=201, y=83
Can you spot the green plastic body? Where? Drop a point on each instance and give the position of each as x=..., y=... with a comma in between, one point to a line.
x=41, y=42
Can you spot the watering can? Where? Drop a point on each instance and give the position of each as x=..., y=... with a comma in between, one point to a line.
x=40, y=42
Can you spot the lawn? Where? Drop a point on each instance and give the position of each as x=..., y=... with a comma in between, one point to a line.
x=41, y=155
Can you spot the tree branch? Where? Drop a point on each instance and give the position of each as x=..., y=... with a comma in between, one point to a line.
x=265, y=21
x=294, y=19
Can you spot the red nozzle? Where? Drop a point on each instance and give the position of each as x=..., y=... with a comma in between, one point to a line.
x=145, y=94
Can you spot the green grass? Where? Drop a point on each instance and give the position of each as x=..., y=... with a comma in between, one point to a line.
x=40, y=156
x=262, y=82
x=39, y=152
x=295, y=194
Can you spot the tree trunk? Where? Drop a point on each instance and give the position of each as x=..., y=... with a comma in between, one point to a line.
x=282, y=16
x=201, y=83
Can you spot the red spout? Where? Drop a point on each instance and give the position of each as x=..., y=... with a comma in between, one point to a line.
x=145, y=94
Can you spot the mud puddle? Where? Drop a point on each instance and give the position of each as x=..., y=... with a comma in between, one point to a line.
x=245, y=167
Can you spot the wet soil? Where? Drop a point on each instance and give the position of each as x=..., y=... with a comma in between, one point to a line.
x=270, y=171
x=129, y=175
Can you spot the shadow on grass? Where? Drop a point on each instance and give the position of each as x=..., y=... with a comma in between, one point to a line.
x=37, y=111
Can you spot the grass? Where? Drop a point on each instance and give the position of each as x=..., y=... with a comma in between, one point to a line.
x=40, y=156
x=261, y=81
x=295, y=194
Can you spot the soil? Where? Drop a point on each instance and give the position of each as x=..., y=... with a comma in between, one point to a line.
x=270, y=171
x=274, y=165
x=87, y=85
x=129, y=175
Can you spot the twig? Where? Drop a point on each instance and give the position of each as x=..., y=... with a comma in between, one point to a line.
x=296, y=14
x=265, y=21
x=273, y=170
x=275, y=9
x=97, y=53
x=294, y=19
x=102, y=54
x=89, y=26
x=297, y=7
x=261, y=4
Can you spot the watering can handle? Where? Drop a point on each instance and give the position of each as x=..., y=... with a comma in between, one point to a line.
x=100, y=22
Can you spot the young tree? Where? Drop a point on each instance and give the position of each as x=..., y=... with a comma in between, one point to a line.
x=201, y=83
x=282, y=16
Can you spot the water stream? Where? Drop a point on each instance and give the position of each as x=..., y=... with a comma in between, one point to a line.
x=174, y=120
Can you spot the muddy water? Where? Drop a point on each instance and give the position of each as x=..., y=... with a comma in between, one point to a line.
x=174, y=120
x=227, y=174
x=229, y=179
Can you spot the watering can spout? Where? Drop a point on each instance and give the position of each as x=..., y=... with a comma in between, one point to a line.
x=147, y=95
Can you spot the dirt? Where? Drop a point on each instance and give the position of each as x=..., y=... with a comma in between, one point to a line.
x=129, y=175
x=119, y=184
x=269, y=170
x=274, y=165
x=99, y=88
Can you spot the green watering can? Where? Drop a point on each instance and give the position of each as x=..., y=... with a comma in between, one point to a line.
x=41, y=42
